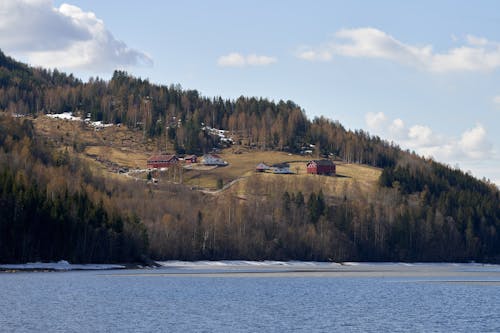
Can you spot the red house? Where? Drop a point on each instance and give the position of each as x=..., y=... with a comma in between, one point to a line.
x=191, y=159
x=321, y=167
x=162, y=161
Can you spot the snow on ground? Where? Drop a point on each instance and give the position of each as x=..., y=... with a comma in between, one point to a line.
x=97, y=124
x=218, y=132
x=320, y=266
x=247, y=264
x=266, y=266
x=69, y=116
x=65, y=116
x=62, y=265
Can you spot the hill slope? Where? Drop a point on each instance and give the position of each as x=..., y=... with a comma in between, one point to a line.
x=52, y=208
x=391, y=204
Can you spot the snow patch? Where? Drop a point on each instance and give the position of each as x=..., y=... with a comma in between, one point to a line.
x=316, y=265
x=69, y=116
x=97, y=124
x=247, y=264
x=61, y=265
x=218, y=132
x=65, y=116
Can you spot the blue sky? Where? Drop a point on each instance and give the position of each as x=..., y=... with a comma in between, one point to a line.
x=423, y=74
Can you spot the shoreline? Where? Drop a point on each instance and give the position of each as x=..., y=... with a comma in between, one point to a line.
x=64, y=266
x=247, y=266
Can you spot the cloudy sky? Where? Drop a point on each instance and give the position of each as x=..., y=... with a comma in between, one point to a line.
x=425, y=74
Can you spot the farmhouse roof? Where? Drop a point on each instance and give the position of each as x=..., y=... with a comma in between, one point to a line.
x=322, y=162
x=211, y=155
x=162, y=157
x=281, y=165
x=263, y=166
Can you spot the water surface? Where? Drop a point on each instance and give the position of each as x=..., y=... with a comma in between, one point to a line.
x=256, y=297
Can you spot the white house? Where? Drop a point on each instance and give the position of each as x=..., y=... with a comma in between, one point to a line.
x=282, y=168
x=212, y=159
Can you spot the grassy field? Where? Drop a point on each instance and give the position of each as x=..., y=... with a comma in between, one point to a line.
x=239, y=165
x=123, y=157
x=350, y=178
x=351, y=181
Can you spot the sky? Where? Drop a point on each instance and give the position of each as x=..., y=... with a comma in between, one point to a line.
x=423, y=74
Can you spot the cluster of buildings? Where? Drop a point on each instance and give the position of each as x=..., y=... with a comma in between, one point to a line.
x=166, y=161
x=315, y=167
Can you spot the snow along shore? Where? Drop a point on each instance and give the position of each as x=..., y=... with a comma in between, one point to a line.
x=62, y=265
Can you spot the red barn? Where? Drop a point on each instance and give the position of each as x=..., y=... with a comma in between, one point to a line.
x=321, y=167
x=162, y=161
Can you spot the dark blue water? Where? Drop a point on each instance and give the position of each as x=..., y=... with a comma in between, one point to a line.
x=156, y=301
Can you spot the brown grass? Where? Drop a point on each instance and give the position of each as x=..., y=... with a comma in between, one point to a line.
x=350, y=179
x=121, y=156
x=240, y=165
x=66, y=132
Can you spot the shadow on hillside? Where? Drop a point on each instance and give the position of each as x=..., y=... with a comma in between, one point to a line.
x=342, y=176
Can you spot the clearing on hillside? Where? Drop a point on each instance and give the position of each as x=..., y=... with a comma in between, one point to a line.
x=117, y=147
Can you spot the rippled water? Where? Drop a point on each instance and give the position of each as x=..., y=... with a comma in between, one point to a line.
x=366, y=298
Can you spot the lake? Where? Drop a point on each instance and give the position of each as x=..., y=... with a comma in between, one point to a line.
x=255, y=297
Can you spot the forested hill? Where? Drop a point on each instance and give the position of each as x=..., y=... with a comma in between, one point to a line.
x=52, y=208
x=421, y=211
x=158, y=110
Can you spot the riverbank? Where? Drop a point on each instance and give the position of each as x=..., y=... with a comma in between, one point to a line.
x=62, y=265
x=267, y=267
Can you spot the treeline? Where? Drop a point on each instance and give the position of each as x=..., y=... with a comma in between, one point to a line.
x=462, y=212
x=388, y=225
x=51, y=208
x=174, y=115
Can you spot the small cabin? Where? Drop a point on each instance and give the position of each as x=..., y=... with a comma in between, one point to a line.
x=162, y=161
x=262, y=167
x=212, y=159
x=191, y=159
x=321, y=167
x=282, y=168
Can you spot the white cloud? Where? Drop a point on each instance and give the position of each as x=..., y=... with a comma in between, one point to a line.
x=479, y=54
x=315, y=55
x=477, y=41
x=473, y=143
x=375, y=120
x=373, y=43
x=256, y=60
x=235, y=59
x=421, y=136
x=396, y=129
x=232, y=60
x=64, y=37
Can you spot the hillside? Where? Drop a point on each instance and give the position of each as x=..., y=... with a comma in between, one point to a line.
x=53, y=208
x=385, y=204
x=116, y=147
